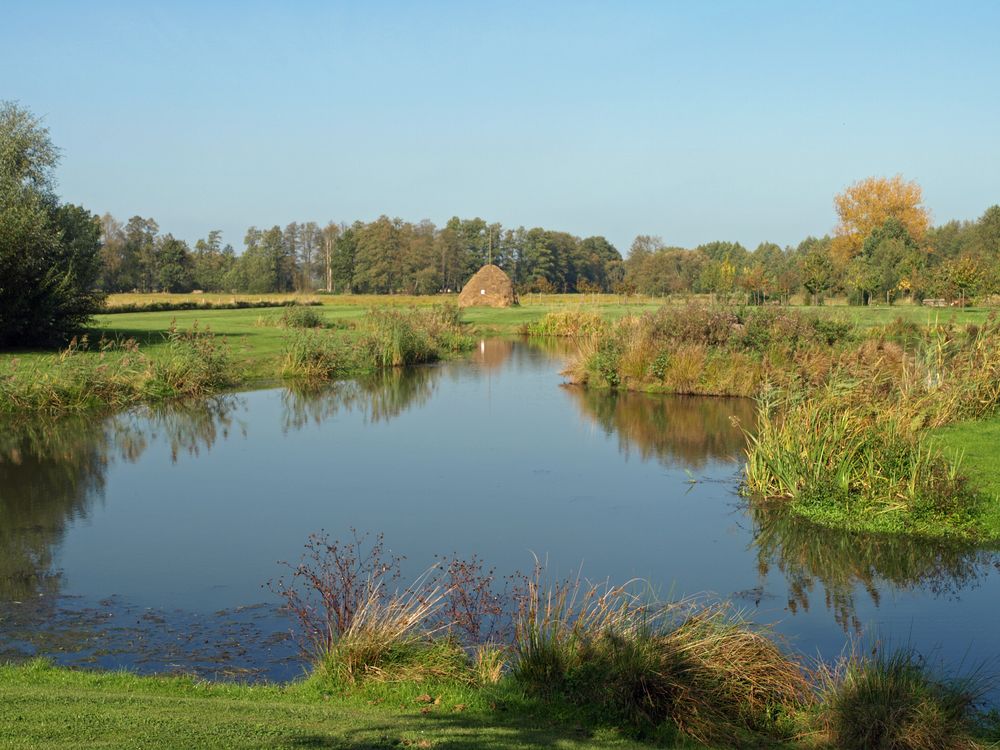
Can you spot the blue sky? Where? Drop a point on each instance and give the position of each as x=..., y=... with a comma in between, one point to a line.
x=694, y=121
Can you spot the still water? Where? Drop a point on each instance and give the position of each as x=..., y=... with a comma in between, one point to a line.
x=145, y=540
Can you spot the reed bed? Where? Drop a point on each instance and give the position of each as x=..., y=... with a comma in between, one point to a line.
x=383, y=339
x=575, y=322
x=698, y=667
x=855, y=451
x=702, y=349
x=115, y=374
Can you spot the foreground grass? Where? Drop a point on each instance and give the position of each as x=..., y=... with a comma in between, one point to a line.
x=44, y=706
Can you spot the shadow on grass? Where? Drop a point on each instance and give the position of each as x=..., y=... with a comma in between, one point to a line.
x=457, y=731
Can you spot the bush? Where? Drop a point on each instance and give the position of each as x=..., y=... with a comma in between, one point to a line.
x=49, y=253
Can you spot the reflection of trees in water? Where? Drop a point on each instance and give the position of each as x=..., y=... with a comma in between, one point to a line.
x=195, y=428
x=840, y=561
x=689, y=430
x=48, y=476
x=53, y=471
x=380, y=397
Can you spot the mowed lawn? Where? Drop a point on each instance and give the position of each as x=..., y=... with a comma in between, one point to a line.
x=46, y=707
x=978, y=444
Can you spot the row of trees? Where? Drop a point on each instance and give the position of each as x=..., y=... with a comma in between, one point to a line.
x=58, y=260
x=382, y=256
x=883, y=249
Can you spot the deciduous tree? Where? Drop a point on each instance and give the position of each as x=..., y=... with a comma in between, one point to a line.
x=868, y=204
x=49, y=253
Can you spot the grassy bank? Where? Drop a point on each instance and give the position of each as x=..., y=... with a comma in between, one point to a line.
x=156, y=359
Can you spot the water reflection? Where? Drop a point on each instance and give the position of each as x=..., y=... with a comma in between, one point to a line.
x=686, y=431
x=52, y=472
x=492, y=354
x=48, y=476
x=380, y=397
x=844, y=563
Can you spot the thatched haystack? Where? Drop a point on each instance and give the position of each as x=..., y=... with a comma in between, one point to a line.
x=489, y=287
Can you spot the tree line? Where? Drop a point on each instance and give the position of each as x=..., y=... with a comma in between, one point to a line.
x=58, y=261
x=883, y=249
x=378, y=257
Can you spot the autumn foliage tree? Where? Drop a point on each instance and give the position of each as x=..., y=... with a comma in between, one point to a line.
x=867, y=205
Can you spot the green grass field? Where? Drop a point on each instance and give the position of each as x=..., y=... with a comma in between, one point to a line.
x=43, y=707
x=978, y=443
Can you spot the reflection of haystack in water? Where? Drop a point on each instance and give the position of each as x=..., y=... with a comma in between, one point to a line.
x=489, y=287
x=492, y=353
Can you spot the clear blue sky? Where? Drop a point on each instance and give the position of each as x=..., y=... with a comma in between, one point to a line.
x=695, y=121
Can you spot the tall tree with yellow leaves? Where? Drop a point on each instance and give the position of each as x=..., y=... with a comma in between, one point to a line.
x=868, y=204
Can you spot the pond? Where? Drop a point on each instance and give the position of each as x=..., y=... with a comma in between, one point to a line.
x=146, y=539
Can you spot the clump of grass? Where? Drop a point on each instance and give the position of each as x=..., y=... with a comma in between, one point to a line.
x=385, y=640
x=355, y=628
x=893, y=700
x=300, y=316
x=196, y=363
x=490, y=664
x=315, y=355
x=390, y=338
x=394, y=338
x=700, y=669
